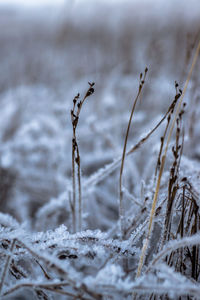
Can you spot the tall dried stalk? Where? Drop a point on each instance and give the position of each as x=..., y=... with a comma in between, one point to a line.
x=152, y=213
x=75, y=113
x=170, y=112
x=121, y=206
x=173, y=185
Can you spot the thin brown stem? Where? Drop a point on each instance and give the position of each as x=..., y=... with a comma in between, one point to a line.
x=74, y=187
x=79, y=190
x=75, y=113
x=121, y=206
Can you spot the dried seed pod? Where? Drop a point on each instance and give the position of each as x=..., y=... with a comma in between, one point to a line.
x=176, y=84
x=89, y=92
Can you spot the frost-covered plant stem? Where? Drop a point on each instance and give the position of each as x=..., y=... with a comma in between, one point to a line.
x=74, y=186
x=49, y=287
x=75, y=112
x=172, y=246
x=121, y=205
x=79, y=190
x=152, y=213
x=153, y=208
x=3, y=277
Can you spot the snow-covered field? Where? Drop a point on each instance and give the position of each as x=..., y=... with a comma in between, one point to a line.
x=73, y=235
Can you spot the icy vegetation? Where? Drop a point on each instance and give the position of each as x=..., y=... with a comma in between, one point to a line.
x=100, y=151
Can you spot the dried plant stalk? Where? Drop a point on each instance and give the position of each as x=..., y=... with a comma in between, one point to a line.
x=152, y=213
x=73, y=187
x=173, y=181
x=121, y=207
x=75, y=113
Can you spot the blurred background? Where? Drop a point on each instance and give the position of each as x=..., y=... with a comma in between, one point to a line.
x=49, y=50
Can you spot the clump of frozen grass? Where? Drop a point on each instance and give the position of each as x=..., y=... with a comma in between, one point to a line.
x=177, y=114
x=90, y=264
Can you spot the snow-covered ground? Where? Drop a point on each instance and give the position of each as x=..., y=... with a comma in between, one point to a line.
x=48, y=53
